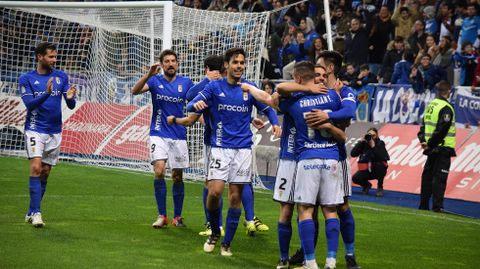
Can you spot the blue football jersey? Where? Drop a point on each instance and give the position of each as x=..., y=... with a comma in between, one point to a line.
x=349, y=105
x=287, y=140
x=310, y=143
x=168, y=98
x=230, y=112
x=47, y=116
x=470, y=29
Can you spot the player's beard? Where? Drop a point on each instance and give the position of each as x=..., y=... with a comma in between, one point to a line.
x=170, y=72
x=45, y=66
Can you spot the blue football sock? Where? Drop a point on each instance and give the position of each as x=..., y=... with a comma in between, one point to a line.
x=35, y=194
x=178, y=193
x=220, y=213
x=205, y=195
x=43, y=183
x=306, y=229
x=213, y=217
x=347, y=228
x=247, y=201
x=284, y=237
x=233, y=216
x=332, y=227
x=160, y=188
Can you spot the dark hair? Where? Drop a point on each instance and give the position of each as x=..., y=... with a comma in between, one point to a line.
x=372, y=129
x=42, y=48
x=213, y=62
x=402, y=9
x=426, y=55
x=364, y=67
x=399, y=39
x=167, y=52
x=443, y=86
x=266, y=82
x=304, y=69
x=466, y=43
x=409, y=56
x=233, y=52
x=332, y=57
x=319, y=66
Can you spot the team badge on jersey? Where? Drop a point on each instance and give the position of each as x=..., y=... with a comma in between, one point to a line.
x=245, y=96
x=57, y=79
x=179, y=88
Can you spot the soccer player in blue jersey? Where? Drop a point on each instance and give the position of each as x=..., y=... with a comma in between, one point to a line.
x=317, y=177
x=42, y=90
x=168, y=144
x=332, y=62
x=231, y=142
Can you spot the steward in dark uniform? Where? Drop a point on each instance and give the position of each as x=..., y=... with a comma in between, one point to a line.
x=437, y=137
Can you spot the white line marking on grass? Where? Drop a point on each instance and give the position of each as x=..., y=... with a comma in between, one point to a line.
x=439, y=216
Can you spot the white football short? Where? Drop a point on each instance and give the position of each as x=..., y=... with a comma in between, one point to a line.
x=174, y=151
x=285, y=181
x=345, y=172
x=45, y=146
x=318, y=181
x=230, y=165
x=206, y=159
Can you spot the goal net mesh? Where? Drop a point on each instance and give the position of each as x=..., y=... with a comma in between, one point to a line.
x=105, y=51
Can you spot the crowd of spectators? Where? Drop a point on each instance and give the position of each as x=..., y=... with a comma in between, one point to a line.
x=418, y=42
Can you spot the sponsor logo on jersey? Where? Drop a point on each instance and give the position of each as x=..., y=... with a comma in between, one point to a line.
x=170, y=98
x=233, y=108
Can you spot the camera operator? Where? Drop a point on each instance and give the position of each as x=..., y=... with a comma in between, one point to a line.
x=372, y=161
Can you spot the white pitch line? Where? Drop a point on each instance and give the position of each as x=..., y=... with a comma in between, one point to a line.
x=439, y=216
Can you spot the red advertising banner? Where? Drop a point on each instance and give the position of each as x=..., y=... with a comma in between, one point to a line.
x=87, y=129
x=407, y=161
x=130, y=141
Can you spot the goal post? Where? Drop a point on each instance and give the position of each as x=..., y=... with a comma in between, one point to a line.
x=105, y=47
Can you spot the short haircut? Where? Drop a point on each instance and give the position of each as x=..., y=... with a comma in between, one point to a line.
x=426, y=55
x=399, y=39
x=443, y=86
x=305, y=70
x=213, y=62
x=332, y=57
x=402, y=9
x=372, y=129
x=465, y=44
x=320, y=66
x=230, y=53
x=409, y=56
x=42, y=48
x=167, y=52
x=364, y=67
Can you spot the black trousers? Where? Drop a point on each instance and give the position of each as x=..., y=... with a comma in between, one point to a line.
x=434, y=180
x=378, y=172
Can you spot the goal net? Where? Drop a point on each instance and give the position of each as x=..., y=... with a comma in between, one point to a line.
x=105, y=51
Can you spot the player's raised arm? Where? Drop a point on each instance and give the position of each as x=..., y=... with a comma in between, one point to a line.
x=261, y=96
x=184, y=121
x=286, y=88
x=141, y=86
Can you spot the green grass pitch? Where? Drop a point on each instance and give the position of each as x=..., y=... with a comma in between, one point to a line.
x=101, y=218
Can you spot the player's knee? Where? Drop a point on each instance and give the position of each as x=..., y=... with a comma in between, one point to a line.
x=235, y=199
x=177, y=175
x=214, y=194
x=35, y=169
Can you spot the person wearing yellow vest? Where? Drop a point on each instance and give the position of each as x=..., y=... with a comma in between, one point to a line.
x=437, y=138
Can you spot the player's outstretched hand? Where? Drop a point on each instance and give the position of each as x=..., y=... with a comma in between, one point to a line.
x=170, y=120
x=315, y=117
x=245, y=87
x=71, y=92
x=50, y=85
x=277, y=131
x=258, y=123
x=318, y=89
x=200, y=105
x=154, y=69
